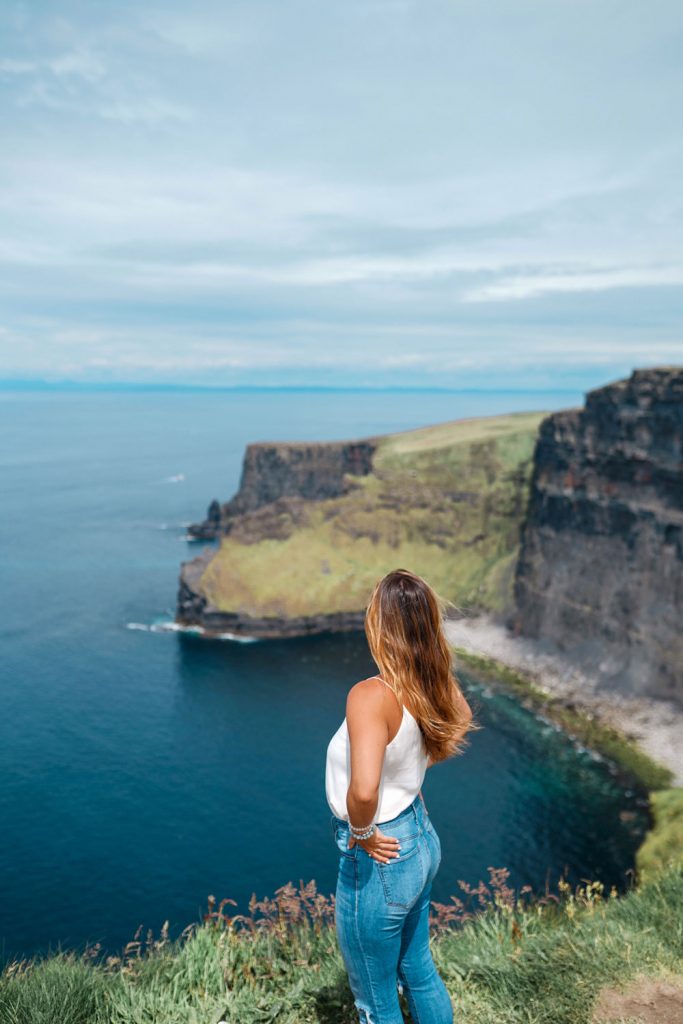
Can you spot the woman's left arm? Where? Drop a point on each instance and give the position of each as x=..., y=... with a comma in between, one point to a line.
x=368, y=738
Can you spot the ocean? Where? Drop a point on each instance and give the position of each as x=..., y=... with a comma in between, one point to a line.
x=142, y=770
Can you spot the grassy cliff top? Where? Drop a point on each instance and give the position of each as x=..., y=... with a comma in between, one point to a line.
x=445, y=501
x=553, y=960
x=663, y=845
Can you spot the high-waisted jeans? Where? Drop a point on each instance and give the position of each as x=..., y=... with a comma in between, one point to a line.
x=382, y=922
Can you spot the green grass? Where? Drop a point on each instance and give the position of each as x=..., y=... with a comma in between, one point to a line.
x=664, y=843
x=519, y=960
x=445, y=501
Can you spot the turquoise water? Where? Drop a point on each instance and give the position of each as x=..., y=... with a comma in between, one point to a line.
x=141, y=770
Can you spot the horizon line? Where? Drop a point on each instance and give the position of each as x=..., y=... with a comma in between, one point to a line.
x=39, y=384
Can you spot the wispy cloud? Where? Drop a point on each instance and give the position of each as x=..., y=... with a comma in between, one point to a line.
x=82, y=63
x=583, y=280
x=410, y=190
x=150, y=111
x=10, y=66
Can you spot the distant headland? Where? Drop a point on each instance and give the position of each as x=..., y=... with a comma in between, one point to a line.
x=313, y=526
x=566, y=528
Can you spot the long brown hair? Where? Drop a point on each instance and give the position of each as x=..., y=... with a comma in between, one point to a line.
x=404, y=628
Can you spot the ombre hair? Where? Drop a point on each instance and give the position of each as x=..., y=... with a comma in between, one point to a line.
x=404, y=628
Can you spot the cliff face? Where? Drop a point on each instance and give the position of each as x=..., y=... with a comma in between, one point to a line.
x=312, y=472
x=313, y=526
x=600, y=570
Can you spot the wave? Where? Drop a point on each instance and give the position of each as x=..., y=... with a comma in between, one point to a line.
x=169, y=626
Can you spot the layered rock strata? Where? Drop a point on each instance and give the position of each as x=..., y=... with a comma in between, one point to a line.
x=273, y=471
x=600, y=570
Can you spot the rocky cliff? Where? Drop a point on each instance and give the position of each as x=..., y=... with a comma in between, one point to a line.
x=273, y=471
x=600, y=570
x=313, y=526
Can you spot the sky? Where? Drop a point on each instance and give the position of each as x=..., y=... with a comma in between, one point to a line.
x=367, y=193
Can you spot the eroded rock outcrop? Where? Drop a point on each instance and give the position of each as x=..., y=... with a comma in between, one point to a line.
x=310, y=471
x=600, y=570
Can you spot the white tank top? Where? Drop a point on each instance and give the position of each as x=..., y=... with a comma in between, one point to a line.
x=403, y=769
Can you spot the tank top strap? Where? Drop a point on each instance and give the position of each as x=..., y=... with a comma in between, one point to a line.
x=390, y=687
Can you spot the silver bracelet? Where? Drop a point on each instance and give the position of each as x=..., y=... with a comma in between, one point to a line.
x=362, y=833
x=359, y=828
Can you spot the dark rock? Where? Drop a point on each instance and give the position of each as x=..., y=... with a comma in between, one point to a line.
x=211, y=527
x=191, y=603
x=600, y=569
x=270, y=471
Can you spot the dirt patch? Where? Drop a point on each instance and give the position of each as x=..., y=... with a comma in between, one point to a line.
x=646, y=1000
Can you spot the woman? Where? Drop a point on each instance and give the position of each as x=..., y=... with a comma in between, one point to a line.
x=396, y=726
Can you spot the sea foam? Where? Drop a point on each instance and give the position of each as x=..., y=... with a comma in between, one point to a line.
x=169, y=626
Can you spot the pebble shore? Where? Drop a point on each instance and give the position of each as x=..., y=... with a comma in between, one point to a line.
x=655, y=725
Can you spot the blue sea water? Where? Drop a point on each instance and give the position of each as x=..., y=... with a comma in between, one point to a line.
x=142, y=770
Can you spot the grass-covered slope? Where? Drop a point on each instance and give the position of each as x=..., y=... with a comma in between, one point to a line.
x=544, y=962
x=663, y=845
x=445, y=501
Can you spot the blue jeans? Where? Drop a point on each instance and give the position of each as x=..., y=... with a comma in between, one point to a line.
x=382, y=922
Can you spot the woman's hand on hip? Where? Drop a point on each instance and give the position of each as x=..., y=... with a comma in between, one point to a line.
x=380, y=847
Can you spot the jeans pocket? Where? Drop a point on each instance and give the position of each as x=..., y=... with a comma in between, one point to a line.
x=434, y=849
x=403, y=877
x=341, y=838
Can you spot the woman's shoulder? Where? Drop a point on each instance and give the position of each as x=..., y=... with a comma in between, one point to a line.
x=368, y=688
x=365, y=692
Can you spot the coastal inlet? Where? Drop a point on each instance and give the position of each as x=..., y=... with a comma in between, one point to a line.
x=140, y=772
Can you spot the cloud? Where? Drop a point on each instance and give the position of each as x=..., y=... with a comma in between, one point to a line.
x=532, y=286
x=191, y=34
x=10, y=66
x=413, y=190
x=82, y=63
x=150, y=110
x=81, y=79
